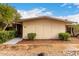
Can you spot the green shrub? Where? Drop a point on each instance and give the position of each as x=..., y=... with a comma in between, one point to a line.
x=31, y=36
x=6, y=35
x=64, y=36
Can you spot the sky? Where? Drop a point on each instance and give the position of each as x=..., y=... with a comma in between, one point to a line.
x=68, y=11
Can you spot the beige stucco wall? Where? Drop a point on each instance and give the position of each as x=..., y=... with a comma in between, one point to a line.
x=44, y=28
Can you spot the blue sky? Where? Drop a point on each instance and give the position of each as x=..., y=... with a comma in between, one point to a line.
x=68, y=11
x=58, y=9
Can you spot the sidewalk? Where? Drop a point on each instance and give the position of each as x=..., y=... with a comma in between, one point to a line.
x=13, y=41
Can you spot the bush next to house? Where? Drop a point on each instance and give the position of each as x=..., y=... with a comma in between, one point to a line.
x=64, y=36
x=6, y=35
x=31, y=36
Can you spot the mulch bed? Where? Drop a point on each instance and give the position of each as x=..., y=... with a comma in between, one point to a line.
x=49, y=41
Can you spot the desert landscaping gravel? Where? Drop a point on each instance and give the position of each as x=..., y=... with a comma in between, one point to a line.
x=41, y=48
x=35, y=50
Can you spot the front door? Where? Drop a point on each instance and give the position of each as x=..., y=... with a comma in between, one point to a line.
x=19, y=30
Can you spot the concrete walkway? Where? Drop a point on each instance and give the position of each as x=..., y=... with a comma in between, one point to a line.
x=13, y=41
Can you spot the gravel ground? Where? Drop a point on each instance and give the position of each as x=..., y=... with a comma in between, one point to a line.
x=41, y=48
x=36, y=50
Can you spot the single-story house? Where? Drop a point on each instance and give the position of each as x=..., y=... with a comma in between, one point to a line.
x=45, y=27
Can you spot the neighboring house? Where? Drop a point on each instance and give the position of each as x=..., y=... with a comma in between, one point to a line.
x=45, y=27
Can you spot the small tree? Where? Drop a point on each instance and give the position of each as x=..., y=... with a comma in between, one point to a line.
x=76, y=27
x=8, y=15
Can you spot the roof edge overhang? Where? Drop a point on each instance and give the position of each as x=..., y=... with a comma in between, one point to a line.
x=47, y=17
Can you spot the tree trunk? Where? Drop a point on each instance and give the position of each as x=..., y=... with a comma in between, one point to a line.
x=73, y=31
x=5, y=27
